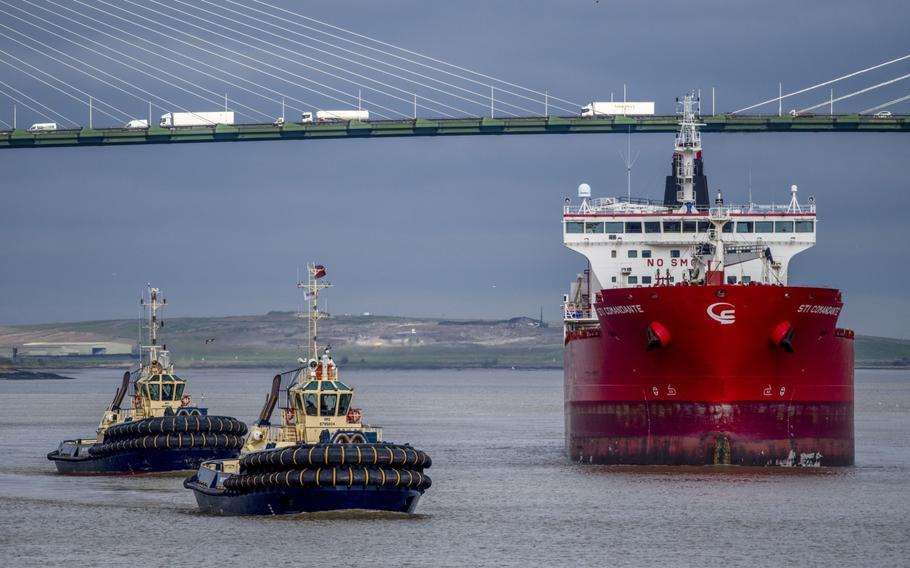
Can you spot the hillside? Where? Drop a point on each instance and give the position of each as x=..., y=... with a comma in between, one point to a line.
x=363, y=341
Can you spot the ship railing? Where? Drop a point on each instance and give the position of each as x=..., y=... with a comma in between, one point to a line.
x=576, y=312
x=622, y=205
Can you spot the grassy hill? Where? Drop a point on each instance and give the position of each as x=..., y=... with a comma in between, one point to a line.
x=274, y=339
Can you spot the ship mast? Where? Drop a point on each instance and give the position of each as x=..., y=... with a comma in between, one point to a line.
x=688, y=148
x=155, y=352
x=311, y=290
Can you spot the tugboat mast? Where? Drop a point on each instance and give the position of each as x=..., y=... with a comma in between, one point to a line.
x=154, y=304
x=311, y=290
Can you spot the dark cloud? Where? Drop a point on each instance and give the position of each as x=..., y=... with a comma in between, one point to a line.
x=427, y=226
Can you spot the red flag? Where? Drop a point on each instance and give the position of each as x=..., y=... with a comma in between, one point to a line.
x=318, y=271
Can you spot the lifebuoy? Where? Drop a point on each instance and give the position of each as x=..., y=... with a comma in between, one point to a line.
x=185, y=401
x=353, y=416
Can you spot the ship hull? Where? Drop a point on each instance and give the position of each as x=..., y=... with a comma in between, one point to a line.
x=694, y=375
x=289, y=501
x=137, y=462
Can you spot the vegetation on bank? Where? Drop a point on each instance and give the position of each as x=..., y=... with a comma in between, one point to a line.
x=367, y=342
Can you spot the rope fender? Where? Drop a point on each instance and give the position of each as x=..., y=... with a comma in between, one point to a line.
x=169, y=442
x=331, y=477
x=176, y=424
x=330, y=455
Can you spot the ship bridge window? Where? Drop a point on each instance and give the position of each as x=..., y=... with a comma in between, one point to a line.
x=672, y=226
x=614, y=226
x=689, y=226
x=703, y=226
x=674, y=253
x=575, y=227
x=745, y=227
x=633, y=226
x=633, y=254
x=805, y=226
x=309, y=404
x=783, y=226
x=594, y=227
x=728, y=227
x=652, y=226
x=764, y=226
x=344, y=403
x=328, y=404
x=646, y=253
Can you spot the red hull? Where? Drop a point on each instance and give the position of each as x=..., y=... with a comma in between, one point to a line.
x=751, y=375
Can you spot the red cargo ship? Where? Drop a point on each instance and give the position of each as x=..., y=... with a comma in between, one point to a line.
x=684, y=342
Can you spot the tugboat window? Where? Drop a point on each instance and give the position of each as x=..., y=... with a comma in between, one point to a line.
x=178, y=390
x=167, y=391
x=329, y=402
x=309, y=404
x=342, y=386
x=327, y=386
x=154, y=391
x=343, y=404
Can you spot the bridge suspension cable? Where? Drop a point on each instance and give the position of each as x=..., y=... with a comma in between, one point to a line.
x=420, y=55
x=235, y=61
x=91, y=100
x=823, y=84
x=234, y=31
x=31, y=108
x=484, y=101
x=131, y=44
x=886, y=105
x=120, y=53
x=854, y=93
x=105, y=73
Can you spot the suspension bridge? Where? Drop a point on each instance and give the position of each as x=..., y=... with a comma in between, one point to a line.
x=113, y=61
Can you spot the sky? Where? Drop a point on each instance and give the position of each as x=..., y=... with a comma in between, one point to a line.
x=448, y=226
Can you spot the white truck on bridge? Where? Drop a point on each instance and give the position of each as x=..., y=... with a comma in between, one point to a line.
x=172, y=119
x=335, y=116
x=611, y=108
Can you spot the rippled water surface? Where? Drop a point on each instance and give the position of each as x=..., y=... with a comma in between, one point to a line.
x=503, y=493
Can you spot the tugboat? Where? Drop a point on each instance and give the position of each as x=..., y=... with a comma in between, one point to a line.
x=162, y=430
x=321, y=457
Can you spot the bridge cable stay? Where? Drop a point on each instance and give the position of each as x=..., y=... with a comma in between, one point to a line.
x=98, y=31
x=302, y=55
x=299, y=54
x=854, y=93
x=237, y=62
x=6, y=124
x=147, y=93
x=886, y=105
x=416, y=54
x=83, y=101
x=832, y=81
x=200, y=87
x=31, y=108
x=484, y=100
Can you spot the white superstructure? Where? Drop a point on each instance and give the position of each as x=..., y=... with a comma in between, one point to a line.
x=632, y=242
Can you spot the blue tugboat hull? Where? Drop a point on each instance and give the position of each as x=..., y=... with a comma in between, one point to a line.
x=289, y=501
x=141, y=461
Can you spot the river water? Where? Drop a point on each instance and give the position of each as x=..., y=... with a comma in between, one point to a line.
x=503, y=493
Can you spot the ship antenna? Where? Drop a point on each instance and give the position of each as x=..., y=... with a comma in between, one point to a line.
x=629, y=161
x=688, y=147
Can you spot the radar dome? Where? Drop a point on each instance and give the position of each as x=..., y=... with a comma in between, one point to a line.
x=584, y=190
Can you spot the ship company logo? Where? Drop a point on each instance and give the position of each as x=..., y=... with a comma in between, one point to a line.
x=722, y=312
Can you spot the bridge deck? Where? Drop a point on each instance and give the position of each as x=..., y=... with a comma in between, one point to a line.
x=446, y=127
